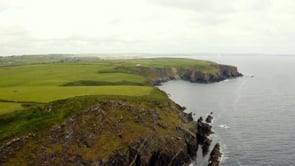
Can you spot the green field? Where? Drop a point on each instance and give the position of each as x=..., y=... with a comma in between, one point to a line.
x=34, y=97
x=57, y=77
x=6, y=107
x=44, y=83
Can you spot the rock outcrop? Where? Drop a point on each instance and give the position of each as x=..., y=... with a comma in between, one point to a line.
x=220, y=73
x=116, y=132
x=111, y=132
x=215, y=156
x=209, y=118
x=204, y=131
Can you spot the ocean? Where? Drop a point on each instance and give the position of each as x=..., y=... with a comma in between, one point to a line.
x=254, y=115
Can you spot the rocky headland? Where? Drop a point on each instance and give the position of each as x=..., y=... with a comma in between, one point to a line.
x=192, y=74
x=109, y=132
x=148, y=130
x=114, y=132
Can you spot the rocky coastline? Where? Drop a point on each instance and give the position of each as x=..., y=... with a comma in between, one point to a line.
x=222, y=73
x=215, y=156
x=78, y=140
x=131, y=132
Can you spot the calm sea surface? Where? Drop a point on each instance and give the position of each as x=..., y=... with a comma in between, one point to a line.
x=254, y=117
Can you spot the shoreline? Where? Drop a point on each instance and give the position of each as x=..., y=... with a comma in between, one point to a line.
x=150, y=129
x=200, y=156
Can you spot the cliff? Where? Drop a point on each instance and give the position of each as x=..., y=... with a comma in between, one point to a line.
x=108, y=131
x=114, y=127
x=192, y=74
x=160, y=70
x=215, y=156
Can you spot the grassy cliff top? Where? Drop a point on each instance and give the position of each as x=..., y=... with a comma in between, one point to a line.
x=54, y=80
x=91, y=108
x=95, y=128
x=26, y=87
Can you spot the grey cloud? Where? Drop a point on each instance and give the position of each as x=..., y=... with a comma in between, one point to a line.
x=206, y=12
x=206, y=6
x=252, y=5
x=217, y=6
x=181, y=26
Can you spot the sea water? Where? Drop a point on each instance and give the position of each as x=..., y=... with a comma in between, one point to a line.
x=254, y=115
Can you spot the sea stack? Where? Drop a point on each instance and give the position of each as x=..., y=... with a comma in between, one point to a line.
x=215, y=156
x=209, y=118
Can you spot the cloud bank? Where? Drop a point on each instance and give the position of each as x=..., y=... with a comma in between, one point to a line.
x=146, y=26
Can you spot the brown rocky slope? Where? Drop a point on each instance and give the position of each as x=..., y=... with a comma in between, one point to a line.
x=110, y=131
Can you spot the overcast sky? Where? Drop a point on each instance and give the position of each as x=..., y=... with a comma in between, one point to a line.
x=147, y=26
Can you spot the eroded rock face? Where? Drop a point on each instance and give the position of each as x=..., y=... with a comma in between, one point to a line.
x=209, y=118
x=215, y=156
x=9, y=147
x=188, y=117
x=138, y=135
x=204, y=131
x=174, y=152
x=222, y=72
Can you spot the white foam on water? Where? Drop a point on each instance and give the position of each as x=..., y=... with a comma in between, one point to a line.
x=223, y=126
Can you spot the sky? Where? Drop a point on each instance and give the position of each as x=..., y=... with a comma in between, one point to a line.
x=147, y=26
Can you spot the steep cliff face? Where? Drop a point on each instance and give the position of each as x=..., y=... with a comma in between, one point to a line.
x=215, y=156
x=223, y=72
x=193, y=74
x=110, y=132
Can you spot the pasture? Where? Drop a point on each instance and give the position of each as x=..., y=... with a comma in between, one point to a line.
x=43, y=83
x=24, y=82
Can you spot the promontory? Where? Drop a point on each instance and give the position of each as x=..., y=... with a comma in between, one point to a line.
x=67, y=110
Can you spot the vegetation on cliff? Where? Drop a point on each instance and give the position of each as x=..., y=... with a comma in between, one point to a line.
x=108, y=130
x=98, y=112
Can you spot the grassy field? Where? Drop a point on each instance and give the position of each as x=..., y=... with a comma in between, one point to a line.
x=36, y=118
x=6, y=107
x=50, y=93
x=44, y=83
x=200, y=65
x=23, y=80
x=38, y=59
x=58, y=74
x=36, y=96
